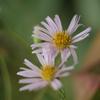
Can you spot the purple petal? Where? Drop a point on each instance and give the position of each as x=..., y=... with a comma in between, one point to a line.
x=37, y=51
x=49, y=54
x=73, y=24
x=82, y=35
x=34, y=86
x=30, y=65
x=52, y=24
x=65, y=54
x=47, y=27
x=56, y=84
x=74, y=55
x=42, y=36
x=29, y=73
x=64, y=70
x=40, y=29
x=41, y=59
x=28, y=80
x=58, y=23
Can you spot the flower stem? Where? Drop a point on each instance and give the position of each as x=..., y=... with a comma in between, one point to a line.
x=61, y=93
x=6, y=78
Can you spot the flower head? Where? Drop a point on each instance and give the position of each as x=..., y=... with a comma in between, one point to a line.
x=47, y=74
x=52, y=33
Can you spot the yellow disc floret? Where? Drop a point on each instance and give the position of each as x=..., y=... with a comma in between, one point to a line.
x=61, y=40
x=48, y=72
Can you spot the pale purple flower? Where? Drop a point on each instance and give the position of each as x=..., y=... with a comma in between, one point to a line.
x=48, y=74
x=52, y=33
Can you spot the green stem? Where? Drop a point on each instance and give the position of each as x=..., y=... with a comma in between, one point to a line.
x=61, y=93
x=6, y=78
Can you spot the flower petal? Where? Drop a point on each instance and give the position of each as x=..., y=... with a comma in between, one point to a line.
x=80, y=38
x=56, y=84
x=29, y=80
x=34, y=86
x=64, y=74
x=52, y=24
x=33, y=46
x=73, y=24
x=42, y=36
x=41, y=29
x=30, y=65
x=64, y=71
x=49, y=54
x=39, y=50
x=65, y=54
x=82, y=35
x=74, y=55
x=73, y=46
x=41, y=59
x=39, y=45
x=47, y=27
x=29, y=73
x=24, y=69
x=58, y=23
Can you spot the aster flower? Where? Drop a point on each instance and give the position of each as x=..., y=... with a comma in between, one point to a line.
x=52, y=33
x=36, y=78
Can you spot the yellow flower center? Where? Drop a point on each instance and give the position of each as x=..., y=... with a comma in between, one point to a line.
x=48, y=72
x=61, y=40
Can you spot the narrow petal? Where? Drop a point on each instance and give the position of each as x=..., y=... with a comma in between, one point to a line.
x=29, y=73
x=73, y=46
x=41, y=59
x=74, y=55
x=63, y=71
x=36, y=45
x=30, y=65
x=80, y=38
x=41, y=29
x=82, y=34
x=52, y=24
x=49, y=54
x=73, y=24
x=42, y=36
x=28, y=80
x=47, y=27
x=65, y=54
x=24, y=69
x=34, y=86
x=39, y=50
x=56, y=84
x=58, y=23
x=66, y=69
x=64, y=74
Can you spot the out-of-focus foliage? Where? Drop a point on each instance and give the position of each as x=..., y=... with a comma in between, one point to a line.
x=17, y=18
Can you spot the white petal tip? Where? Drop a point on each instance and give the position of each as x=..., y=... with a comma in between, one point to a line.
x=31, y=45
x=33, y=52
x=33, y=35
x=89, y=29
x=21, y=90
x=47, y=17
x=25, y=59
x=56, y=15
x=76, y=15
x=18, y=73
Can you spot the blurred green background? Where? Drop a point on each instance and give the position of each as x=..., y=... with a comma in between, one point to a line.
x=17, y=18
